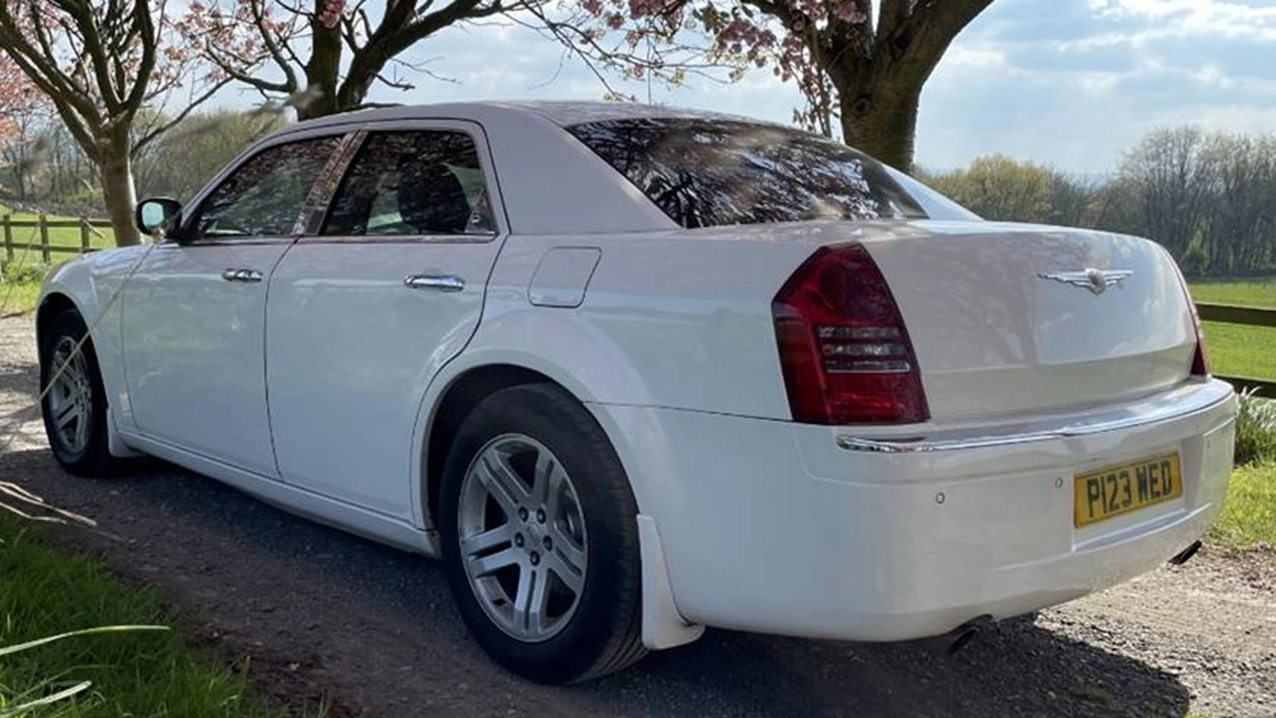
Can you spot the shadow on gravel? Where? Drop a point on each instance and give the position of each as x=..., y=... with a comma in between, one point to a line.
x=319, y=610
x=19, y=378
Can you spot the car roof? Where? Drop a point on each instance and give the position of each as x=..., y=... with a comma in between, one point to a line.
x=563, y=113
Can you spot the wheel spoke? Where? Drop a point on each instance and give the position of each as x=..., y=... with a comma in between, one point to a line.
x=67, y=414
x=502, y=483
x=568, y=563
x=487, y=540
x=546, y=480
x=531, y=601
x=486, y=565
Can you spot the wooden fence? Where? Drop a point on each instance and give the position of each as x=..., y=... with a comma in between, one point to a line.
x=1250, y=317
x=21, y=228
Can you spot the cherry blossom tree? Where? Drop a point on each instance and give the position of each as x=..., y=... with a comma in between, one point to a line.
x=100, y=63
x=324, y=56
x=863, y=72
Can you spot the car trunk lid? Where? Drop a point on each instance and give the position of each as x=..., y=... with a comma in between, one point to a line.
x=1007, y=319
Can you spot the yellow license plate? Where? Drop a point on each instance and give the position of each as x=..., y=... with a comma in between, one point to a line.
x=1124, y=488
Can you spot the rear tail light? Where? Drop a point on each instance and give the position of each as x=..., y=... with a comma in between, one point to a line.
x=844, y=350
x=1200, y=360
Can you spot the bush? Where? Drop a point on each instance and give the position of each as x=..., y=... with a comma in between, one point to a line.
x=25, y=273
x=10, y=271
x=1255, y=430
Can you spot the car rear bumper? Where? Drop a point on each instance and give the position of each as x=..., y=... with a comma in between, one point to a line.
x=783, y=528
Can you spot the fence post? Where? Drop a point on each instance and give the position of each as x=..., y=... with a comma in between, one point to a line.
x=8, y=238
x=84, y=235
x=44, y=239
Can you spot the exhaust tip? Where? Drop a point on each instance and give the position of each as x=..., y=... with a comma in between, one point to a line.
x=961, y=636
x=1186, y=554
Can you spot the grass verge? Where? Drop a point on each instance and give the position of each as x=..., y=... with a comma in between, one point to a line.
x=1249, y=514
x=45, y=591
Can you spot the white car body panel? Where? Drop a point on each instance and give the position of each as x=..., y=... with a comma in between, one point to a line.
x=195, y=352
x=748, y=520
x=341, y=324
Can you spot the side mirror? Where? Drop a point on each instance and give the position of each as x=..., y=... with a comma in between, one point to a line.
x=157, y=215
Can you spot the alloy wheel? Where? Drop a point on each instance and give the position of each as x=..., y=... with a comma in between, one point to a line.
x=522, y=537
x=71, y=396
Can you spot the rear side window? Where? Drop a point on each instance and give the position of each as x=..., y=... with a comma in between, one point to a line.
x=264, y=196
x=706, y=172
x=412, y=183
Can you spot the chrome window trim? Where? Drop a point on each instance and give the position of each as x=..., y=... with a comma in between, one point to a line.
x=232, y=241
x=468, y=127
x=923, y=444
x=399, y=238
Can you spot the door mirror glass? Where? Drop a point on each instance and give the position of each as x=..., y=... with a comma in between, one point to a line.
x=157, y=215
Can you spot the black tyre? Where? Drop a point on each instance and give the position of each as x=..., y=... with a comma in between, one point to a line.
x=540, y=537
x=75, y=405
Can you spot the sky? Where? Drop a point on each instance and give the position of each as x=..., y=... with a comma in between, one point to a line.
x=1069, y=83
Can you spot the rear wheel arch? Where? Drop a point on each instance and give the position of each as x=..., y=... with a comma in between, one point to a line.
x=463, y=393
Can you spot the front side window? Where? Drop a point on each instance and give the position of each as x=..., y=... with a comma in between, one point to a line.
x=264, y=196
x=705, y=172
x=412, y=183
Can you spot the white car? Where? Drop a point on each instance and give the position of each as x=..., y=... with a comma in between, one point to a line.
x=633, y=371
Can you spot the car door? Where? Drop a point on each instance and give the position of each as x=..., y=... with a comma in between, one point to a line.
x=364, y=313
x=194, y=311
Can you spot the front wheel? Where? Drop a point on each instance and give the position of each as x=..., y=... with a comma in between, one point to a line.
x=74, y=404
x=540, y=537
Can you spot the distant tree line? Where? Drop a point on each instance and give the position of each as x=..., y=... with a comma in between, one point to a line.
x=41, y=166
x=1209, y=198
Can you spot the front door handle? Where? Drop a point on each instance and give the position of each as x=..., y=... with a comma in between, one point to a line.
x=441, y=282
x=241, y=275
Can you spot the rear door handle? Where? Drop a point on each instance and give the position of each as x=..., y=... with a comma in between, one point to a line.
x=440, y=282
x=241, y=275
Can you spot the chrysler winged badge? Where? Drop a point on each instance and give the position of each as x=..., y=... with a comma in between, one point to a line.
x=1096, y=280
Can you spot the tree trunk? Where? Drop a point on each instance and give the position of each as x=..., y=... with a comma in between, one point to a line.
x=322, y=71
x=879, y=118
x=116, y=170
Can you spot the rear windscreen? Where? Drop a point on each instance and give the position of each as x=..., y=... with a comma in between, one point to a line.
x=706, y=172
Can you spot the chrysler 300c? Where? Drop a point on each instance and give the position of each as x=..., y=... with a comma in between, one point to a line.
x=634, y=371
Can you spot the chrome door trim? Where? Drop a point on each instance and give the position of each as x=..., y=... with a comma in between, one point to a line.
x=241, y=275
x=923, y=444
x=441, y=282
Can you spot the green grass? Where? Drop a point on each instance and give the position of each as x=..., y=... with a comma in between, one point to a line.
x=1249, y=514
x=1238, y=350
x=1246, y=291
x=45, y=591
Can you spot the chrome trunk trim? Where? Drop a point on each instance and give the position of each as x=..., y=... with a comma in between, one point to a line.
x=1185, y=402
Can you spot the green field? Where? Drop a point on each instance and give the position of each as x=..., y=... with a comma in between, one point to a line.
x=1237, y=350
x=1248, y=291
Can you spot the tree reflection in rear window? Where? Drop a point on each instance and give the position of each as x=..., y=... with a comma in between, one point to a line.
x=705, y=172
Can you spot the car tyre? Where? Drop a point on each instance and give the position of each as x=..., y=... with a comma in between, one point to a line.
x=589, y=622
x=75, y=407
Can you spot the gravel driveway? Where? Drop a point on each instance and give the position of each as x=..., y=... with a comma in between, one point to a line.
x=373, y=630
